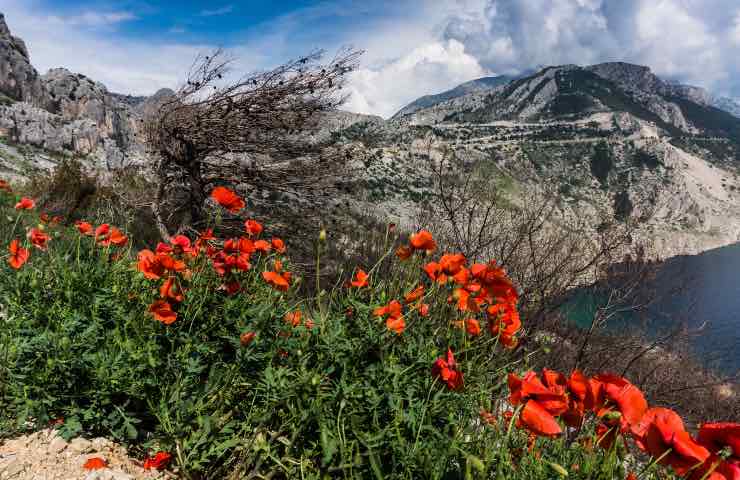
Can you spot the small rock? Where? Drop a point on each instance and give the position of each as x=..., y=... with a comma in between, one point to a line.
x=80, y=445
x=118, y=475
x=100, y=443
x=12, y=469
x=57, y=445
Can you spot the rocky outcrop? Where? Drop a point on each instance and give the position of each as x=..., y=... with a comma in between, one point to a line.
x=64, y=112
x=19, y=81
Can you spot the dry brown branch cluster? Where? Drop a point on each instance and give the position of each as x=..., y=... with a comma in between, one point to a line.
x=254, y=134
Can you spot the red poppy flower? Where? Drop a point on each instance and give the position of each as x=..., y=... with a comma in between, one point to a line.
x=628, y=398
x=262, y=246
x=84, y=228
x=530, y=386
x=171, y=264
x=102, y=231
x=150, y=264
x=163, y=248
x=277, y=280
x=360, y=279
x=246, y=338
x=472, y=327
x=462, y=277
x=535, y=418
x=113, y=237
x=5, y=186
x=435, y=272
x=395, y=321
x=414, y=295
x=231, y=288
x=717, y=436
x=422, y=308
x=631, y=476
x=404, y=252
x=293, y=318
x=38, y=238
x=494, y=281
x=228, y=199
x=466, y=301
x=253, y=228
x=447, y=371
x=660, y=432
x=181, y=244
x=163, y=312
x=170, y=290
x=583, y=397
x=278, y=244
x=158, y=461
x=488, y=417
x=18, y=255
x=25, y=204
x=396, y=324
x=204, y=238
x=393, y=309
x=504, y=321
x=95, y=463
x=423, y=241
x=452, y=263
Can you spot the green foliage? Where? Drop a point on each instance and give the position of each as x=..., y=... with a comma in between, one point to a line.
x=345, y=398
x=602, y=163
x=646, y=159
x=622, y=205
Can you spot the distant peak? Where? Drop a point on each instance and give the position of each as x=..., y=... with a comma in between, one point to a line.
x=4, y=30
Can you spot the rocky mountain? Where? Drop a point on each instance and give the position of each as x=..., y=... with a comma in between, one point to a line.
x=59, y=113
x=473, y=86
x=611, y=139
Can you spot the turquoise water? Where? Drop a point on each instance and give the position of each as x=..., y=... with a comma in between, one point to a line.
x=709, y=297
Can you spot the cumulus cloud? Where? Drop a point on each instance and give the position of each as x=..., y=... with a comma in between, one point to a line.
x=735, y=33
x=430, y=68
x=684, y=40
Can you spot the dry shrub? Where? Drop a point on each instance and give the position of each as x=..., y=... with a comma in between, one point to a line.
x=74, y=192
x=665, y=367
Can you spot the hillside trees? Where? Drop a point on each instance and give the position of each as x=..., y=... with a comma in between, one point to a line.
x=255, y=133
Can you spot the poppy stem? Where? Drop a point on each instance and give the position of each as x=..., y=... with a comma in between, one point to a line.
x=654, y=462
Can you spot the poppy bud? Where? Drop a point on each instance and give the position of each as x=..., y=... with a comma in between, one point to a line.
x=246, y=338
x=476, y=462
x=612, y=416
x=322, y=235
x=559, y=469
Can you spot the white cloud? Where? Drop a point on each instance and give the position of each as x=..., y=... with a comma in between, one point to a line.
x=735, y=32
x=131, y=66
x=431, y=68
x=97, y=19
x=217, y=11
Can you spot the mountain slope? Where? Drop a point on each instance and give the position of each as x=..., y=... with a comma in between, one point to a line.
x=473, y=86
x=611, y=139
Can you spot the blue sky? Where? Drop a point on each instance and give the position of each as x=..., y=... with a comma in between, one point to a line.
x=413, y=47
